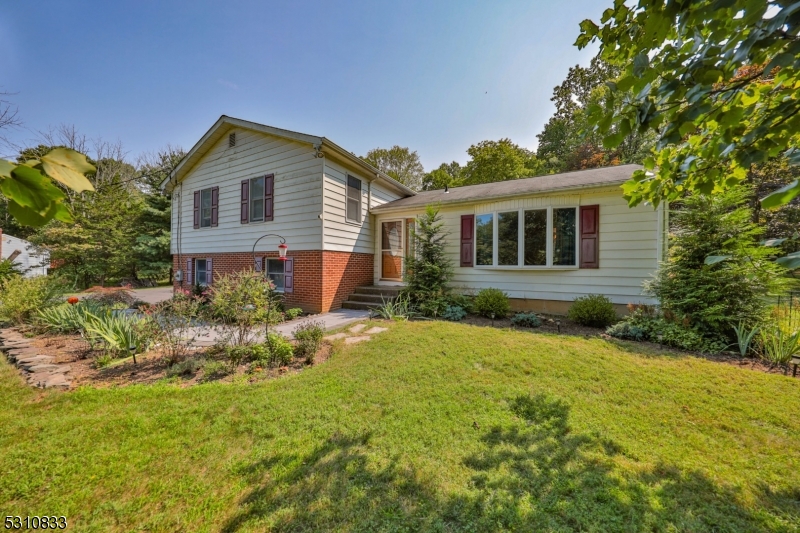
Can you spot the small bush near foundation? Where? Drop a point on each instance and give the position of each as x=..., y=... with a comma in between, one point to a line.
x=214, y=369
x=593, y=310
x=490, y=302
x=281, y=350
x=625, y=330
x=293, y=313
x=309, y=339
x=526, y=320
x=454, y=313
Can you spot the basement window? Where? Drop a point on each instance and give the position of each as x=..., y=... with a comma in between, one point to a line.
x=275, y=272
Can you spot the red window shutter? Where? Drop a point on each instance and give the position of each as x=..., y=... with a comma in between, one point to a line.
x=196, y=209
x=209, y=271
x=590, y=236
x=288, y=275
x=188, y=276
x=269, y=196
x=245, y=201
x=467, y=239
x=214, y=206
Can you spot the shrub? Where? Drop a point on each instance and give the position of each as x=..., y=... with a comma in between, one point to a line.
x=8, y=269
x=236, y=354
x=240, y=301
x=644, y=324
x=594, y=310
x=67, y=318
x=111, y=296
x=281, y=350
x=712, y=296
x=103, y=360
x=490, y=302
x=293, y=313
x=172, y=325
x=454, y=313
x=118, y=331
x=21, y=298
x=309, y=338
x=778, y=347
x=428, y=268
x=214, y=369
x=396, y=309
x=189, y=367
x=526, y=320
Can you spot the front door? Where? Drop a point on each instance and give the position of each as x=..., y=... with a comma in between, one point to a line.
x=392, y=250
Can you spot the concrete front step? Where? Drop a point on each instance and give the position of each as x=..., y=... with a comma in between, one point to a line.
x=364, y=306
x=386, y=291
x=370, y=298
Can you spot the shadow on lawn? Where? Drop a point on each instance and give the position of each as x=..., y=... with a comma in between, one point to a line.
x=534, y=475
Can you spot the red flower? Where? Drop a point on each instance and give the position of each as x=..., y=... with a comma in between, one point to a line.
x=72, y=300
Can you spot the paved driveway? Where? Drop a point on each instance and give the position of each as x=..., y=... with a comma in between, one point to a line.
x=153, y=295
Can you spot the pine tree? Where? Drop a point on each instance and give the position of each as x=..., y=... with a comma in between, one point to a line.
x=428, y=269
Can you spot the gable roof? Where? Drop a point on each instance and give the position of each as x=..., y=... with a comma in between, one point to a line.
x=322, y=144
x=581, y=179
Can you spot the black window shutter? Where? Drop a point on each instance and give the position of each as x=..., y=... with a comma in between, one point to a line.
x=196, y=209
x=269, y=196
x=214, y=206
x=245, y=201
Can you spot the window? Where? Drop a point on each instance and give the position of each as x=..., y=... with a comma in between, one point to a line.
x=201, y=272
x=353, y=199
x=484, y=242
x=275, y=272
x=257, y=199
x=508, y=238
x=564, y=237
x=205, y=208
x=527, y=238
x=535, y=231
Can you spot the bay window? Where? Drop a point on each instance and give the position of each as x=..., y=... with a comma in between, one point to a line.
x=545, y=237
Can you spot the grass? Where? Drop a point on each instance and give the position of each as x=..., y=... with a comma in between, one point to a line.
x=429, y=426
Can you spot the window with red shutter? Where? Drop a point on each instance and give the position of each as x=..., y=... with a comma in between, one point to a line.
x=590, y=236
x=467, y=239
x=269, y=197
x=245, y=211
x=214, y=206
x=196, y=221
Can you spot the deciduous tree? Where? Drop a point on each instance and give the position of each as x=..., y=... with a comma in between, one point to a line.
x=400, y=163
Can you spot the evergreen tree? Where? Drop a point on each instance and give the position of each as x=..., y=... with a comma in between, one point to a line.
x=428, y=269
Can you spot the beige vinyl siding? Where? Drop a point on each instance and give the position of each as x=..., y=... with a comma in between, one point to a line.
x=628, y=251
x=340, y=234
x=297, y=203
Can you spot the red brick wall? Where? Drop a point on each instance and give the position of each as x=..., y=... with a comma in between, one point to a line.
x=322, y=280
x=343, y=272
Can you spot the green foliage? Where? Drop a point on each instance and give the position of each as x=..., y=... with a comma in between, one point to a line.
x=454, y=313
x=399, y=308
x=526, y=320
x=647, y=324
x=33, y=199
x=715, y=81
x=214, y=369
x=239, y=302
x=428, y=268
x=68, y=318
x=118, y=331
x=172, y=324
x=281, y=350
x=8, y=269
x=593, y=310
x=491, y=303
x=778, y=347
x=21, y=298
x=103, y=360
x=447, y=175
x=744, y=337
x=187, y=367
x=500, y=161
x=400, y=163
x=293, y=313
x=309, y=339
x=717, y=275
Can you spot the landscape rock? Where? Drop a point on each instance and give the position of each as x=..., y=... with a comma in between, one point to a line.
x=357, y=328
x=374, y=330
x=354, y=340
x=335, y=337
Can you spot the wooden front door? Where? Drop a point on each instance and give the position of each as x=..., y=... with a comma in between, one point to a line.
x=392, y=250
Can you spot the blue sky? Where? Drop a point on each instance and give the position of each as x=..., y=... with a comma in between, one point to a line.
x=431, y=75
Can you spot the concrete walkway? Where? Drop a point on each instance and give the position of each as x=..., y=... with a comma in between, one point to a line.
x=207, y=335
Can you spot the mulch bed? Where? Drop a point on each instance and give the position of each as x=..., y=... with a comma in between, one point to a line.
x=149, y=368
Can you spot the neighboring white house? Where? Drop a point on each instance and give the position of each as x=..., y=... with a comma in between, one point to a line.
x=31, y=261
x=544, y=240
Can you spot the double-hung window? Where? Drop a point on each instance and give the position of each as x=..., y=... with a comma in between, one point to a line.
x=544, y=237
x=275, y=272
x=201, y=272
x=257, y=199
x=205, y=208
x=353, y=208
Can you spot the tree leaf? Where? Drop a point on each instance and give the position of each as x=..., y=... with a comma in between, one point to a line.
x=30, y=188
x=25, y=215
x=714, y=259
x=772, y=242
x=791, y=261
x=6, y=167
x=782, y=196
x=68, y=167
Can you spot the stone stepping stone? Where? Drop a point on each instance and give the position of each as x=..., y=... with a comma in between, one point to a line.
x=374, y=330
x=48, y=381
x=335, y=337
x=17, y=352
x=48, y=367
x=354, y=340
x=38, y=360
x=357, y=328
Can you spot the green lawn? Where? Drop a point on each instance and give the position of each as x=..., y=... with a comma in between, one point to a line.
x=428, y=427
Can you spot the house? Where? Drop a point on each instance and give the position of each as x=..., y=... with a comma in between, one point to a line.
x=31, y=261
x=544, y=240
